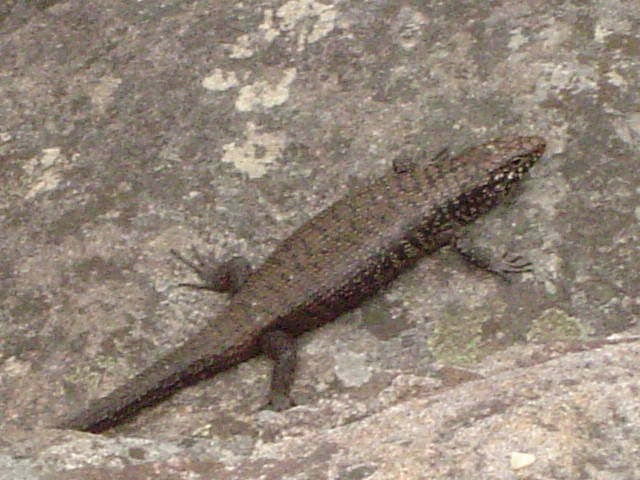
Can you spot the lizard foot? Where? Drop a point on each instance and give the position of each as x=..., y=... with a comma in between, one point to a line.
x=227, y=276
x=502, y=266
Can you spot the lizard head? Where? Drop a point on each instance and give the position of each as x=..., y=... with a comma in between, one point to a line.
x=487, y=173
x=511, y=160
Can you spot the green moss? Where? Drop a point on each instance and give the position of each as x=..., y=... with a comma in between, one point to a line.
x=90, y=375
x=457, y=337
x=555, y=324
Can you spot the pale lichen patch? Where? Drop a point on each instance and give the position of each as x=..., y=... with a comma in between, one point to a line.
x=220, y=80
x=256, y=153
x=263, y=94
x=44, y=172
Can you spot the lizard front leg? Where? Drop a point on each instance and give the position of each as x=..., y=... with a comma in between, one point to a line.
x=501, y=266
x=405, y=163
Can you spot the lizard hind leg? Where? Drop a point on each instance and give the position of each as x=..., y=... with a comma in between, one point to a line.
x=280, y=347
x=227, y=276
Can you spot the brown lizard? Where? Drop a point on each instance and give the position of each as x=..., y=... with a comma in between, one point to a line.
x=326, y=267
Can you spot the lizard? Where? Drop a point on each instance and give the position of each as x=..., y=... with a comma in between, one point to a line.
x=327, y=266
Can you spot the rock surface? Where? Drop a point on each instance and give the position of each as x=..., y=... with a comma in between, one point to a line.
x=128, y=128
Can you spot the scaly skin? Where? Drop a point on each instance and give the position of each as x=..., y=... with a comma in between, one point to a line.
x=328, y=266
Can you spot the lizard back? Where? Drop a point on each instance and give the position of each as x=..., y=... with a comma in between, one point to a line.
x=365, y=239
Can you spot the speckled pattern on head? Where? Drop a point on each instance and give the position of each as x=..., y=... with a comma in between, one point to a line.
x=331, y=263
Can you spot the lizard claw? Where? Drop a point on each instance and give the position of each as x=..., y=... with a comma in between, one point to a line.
x=509, y=264
x=503, y=266
x=278, y=403
x=515, y=264
x=217, y=276
x=206, y=273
